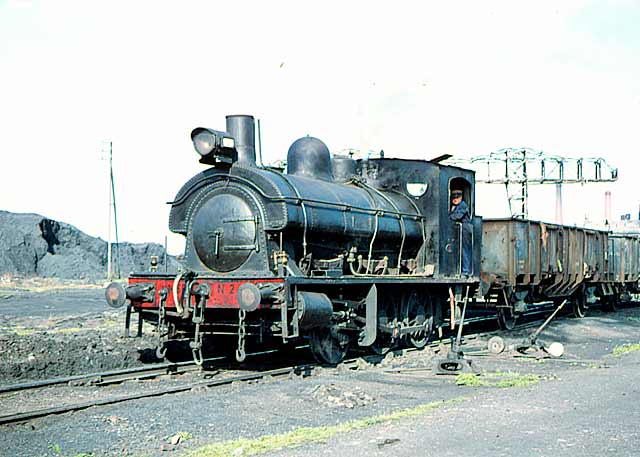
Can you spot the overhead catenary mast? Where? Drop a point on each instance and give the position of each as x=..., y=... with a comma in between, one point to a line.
x=517, y=168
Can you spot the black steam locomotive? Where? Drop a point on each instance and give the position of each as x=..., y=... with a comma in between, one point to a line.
x=349, y=252
x=340, y=251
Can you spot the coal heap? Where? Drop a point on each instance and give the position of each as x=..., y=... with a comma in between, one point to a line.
x=33, y=245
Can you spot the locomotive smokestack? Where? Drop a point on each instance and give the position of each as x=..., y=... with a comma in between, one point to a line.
x=242, y=127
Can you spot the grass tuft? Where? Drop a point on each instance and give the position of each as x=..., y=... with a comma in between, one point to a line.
x=499, y=379
x=244, y=447
x=625, y=349
x=184, y=436
x=470, y=379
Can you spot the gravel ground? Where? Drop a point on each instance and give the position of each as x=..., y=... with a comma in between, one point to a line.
x=586, y=412
x=63, y=331
x=37, y=303
x=586, y=407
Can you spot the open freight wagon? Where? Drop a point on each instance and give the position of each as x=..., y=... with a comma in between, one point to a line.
x=623, y=273
x=525, y=262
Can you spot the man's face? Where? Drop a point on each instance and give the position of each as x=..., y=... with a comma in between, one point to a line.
x=456, y=199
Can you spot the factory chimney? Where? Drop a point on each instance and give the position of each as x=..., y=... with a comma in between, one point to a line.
x=559, y=203
x=607, y=207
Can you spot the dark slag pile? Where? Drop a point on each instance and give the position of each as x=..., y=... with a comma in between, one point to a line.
x=32, y=245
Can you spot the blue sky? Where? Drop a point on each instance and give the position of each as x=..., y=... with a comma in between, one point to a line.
x=417, y=79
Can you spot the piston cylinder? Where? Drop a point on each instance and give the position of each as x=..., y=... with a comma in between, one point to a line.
x=314, y=310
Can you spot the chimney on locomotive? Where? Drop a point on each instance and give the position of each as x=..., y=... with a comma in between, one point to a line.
x=237, y=144
x=242, y=128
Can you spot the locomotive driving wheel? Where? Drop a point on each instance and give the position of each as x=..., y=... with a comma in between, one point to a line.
x=421, y=338
x=328, y=346
x=383, y=344
x=419, y=308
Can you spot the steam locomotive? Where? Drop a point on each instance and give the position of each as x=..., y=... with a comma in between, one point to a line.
x=340, y=251
x=337, y=251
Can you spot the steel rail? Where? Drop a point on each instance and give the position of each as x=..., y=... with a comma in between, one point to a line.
x=115, y=376
x=106, y=376
x=28, y=415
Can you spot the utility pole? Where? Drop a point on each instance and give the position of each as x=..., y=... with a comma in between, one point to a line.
x=109, y=275
x=112, y=204
x=517, y=168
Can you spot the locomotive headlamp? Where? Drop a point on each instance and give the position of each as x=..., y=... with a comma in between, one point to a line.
x=204, y=142
x=213, y=146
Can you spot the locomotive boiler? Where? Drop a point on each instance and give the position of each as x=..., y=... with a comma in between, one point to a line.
x=337, y=251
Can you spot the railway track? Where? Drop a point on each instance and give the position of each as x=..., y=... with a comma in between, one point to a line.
x=33, y=414
x=109, y=377
x=118, y=376
x=145, y=373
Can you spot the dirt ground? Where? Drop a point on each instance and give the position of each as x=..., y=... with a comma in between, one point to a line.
x=584, y=403
x=51, y=328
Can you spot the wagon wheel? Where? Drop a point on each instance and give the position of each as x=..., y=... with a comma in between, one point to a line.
x=505, y=312
x=327, y=346
x=506, y=317
x=579, y=305
x=611, y=303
